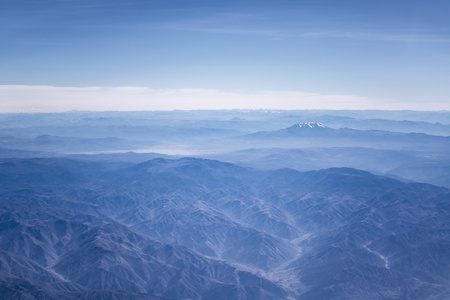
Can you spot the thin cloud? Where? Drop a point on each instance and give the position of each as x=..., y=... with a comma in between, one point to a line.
x=232, y=24
x=245, y=24
x=377, y=36
x=24, y=98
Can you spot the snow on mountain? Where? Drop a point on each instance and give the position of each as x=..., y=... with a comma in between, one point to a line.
x=311, y=125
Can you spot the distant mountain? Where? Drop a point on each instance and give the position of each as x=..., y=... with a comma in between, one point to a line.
x=307, y=129
x=57, y=144
x=402, y=125
x=125, y=157
x=204, y=229
x=316, y=134
x=13, y=153
x=318, y=130
x=416, y=166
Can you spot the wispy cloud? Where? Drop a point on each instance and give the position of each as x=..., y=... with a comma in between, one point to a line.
x=24, y=98
x=248, y=24
x=233, y=24
x=393, y=36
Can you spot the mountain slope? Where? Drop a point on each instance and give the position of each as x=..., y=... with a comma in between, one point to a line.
x=316, y=134
x=203, y=229
x=80, y=253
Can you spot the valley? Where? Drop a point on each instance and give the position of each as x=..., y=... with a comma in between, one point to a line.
x=272, y=221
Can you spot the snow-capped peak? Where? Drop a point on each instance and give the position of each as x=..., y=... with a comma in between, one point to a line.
x=311, y=125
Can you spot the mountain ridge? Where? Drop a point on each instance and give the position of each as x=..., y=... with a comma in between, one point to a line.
x=187, y=228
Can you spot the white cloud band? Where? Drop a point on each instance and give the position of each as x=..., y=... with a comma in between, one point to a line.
x=25, y=98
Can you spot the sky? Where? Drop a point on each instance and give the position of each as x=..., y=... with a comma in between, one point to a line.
x=58, y=55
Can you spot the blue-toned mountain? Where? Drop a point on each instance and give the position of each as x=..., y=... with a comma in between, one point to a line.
x=204, y=229
x=316, y=134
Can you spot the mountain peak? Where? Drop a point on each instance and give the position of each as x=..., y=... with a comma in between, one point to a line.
x=311, y=125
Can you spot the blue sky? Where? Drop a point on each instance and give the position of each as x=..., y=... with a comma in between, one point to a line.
x=392, y=53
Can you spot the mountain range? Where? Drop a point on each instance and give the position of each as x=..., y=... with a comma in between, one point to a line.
x=195, y=228
x=316, y=134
